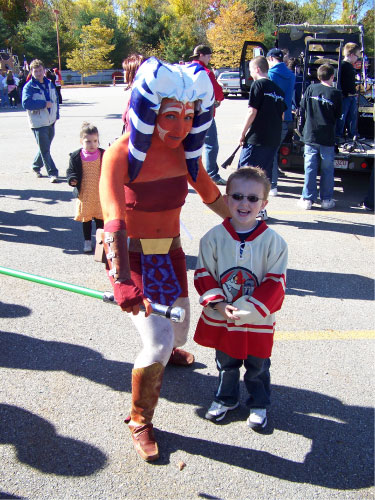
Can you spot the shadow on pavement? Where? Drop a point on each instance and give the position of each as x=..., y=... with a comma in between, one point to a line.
x=332, y=285
x=58, y=232
x=341, y=451
x=8, y=310
x=46, y=197
x=340, y=456
x=39, y=446
x=26, y=353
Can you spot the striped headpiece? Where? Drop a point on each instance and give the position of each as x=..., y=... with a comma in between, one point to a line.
x=156, y=80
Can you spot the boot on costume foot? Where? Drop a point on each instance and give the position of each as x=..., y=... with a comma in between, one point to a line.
x=180, y=357
x=146, y=385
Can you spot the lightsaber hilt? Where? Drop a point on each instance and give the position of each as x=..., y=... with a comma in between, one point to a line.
x=175, y=314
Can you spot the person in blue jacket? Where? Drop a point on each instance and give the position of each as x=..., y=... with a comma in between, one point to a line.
x=285, y=79
x=40, y=99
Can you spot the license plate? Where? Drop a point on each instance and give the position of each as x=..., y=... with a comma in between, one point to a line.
x=341, y=164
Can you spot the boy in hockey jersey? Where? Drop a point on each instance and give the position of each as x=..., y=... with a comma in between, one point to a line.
x=240, y=278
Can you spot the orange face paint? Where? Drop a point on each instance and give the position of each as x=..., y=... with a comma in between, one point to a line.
x=174, y=122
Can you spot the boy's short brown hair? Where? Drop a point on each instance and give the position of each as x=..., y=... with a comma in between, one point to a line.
x=249, y=173
x=325, y=71
x=351, y=48
x=261, y=63
x=36, y=63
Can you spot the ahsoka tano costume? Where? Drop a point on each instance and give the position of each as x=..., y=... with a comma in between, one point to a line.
x=144, y=183
x=249, y=275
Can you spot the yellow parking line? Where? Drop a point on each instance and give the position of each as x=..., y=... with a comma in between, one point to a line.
x=326, y=335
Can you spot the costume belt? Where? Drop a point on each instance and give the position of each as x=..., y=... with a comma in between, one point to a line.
x=160, y=283
x=160, y=246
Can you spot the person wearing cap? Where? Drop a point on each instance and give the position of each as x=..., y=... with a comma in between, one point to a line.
x=280, y=74
x=202, y=55
x=143, y=186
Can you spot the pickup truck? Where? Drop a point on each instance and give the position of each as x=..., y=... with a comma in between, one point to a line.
x=315, y=44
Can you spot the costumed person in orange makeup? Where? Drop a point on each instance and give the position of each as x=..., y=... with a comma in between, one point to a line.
x=143, y=186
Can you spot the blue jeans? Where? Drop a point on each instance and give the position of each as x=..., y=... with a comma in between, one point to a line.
x=44, y=137
x=257, y=380
x=275, y=166
x=257, y=156
x=4, y=97
x=211, y=150
x=348, y=117
x=315, y=155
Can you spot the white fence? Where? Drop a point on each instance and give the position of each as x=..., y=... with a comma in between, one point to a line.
x=73, y=77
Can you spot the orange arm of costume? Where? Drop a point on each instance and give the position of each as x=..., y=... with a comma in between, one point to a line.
x=209, y=192
x=112, y=179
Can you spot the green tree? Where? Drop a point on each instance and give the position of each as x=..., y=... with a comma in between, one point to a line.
x=37, y=37
x=232, y=27
x=5, y=32
x=350, y=11
x=369, y=27
x=92, y=53
x=180, y=42
x=319, y=11
x=150, y=28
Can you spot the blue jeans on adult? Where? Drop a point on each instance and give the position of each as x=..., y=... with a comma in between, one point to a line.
x=211, y=150
x=44, y=137
x=275, y=166
x=257, y=380
x=257, y=156
x=4, y=97
x=348, y=117
x=315, y=155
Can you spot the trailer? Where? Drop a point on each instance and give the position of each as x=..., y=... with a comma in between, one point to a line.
x=314, y=45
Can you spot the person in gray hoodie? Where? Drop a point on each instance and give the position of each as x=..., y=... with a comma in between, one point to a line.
x=40, y=99
x=285, y=79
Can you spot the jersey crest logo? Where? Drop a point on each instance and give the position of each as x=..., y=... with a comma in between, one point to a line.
x=237, y=282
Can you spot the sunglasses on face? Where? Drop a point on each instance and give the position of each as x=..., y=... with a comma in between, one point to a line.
x=251, y=198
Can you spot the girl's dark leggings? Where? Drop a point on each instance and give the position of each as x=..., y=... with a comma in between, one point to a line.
x=87, y=226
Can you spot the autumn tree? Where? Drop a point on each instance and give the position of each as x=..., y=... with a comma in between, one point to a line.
x=92, y=53
x=232, y=27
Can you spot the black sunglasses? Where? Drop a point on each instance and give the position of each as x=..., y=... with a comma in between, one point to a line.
x=251, y=198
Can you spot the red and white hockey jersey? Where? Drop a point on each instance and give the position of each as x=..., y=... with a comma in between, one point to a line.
x=249, y=275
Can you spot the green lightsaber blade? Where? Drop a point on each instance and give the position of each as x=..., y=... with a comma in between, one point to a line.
x=175, y=314
x=54, y=283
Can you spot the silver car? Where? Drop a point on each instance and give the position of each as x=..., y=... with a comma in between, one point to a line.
x=230, y=82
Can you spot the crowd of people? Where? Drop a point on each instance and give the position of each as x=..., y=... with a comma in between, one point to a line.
x=134, y=191
x=11, y=86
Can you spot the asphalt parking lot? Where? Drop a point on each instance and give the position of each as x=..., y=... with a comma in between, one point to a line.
x=66, y=360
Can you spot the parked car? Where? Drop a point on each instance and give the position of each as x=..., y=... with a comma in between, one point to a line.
x=230, y=82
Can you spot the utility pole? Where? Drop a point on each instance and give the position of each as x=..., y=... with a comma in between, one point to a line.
x=57, y=12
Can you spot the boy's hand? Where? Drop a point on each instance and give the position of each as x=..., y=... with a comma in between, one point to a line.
x=226, y=310
x=73, y=182
x=48, y=104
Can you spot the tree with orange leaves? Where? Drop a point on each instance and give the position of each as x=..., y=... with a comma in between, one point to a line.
x=232, y=27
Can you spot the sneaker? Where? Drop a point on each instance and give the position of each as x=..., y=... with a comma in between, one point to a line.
x=53, y=178
x=220, y=182
x=87, y=247
x=365, y=207
x=257, y=418
x=305, y=204
x=262, y=215
x=217, y=411
x=327, y=204
x=273, y=192
x=37, y=173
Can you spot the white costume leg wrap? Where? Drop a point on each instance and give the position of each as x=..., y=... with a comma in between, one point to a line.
x=160, y=335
